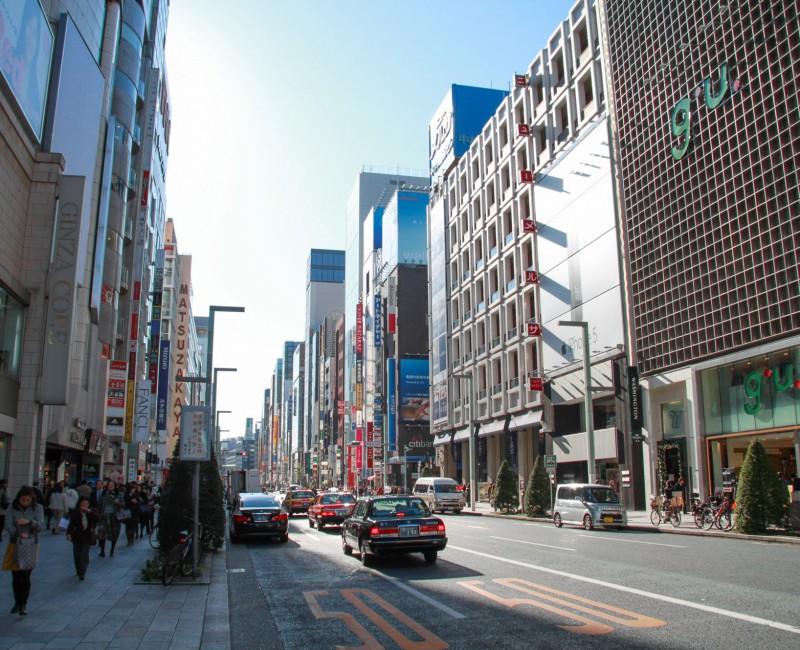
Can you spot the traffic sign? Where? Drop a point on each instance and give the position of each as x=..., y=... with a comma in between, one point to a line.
x=549, y=462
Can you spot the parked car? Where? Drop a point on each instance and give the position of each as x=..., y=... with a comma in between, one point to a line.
x=258, y=515
x=393, y=524
x=439, y=493
x=589, y=506
x=298, y=501
x=330, y=508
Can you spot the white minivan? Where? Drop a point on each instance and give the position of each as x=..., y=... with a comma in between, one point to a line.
x=440, y=493
x=588, y=505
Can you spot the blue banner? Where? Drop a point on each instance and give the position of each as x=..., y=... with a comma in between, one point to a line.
x=162, y=401
x=415, y=391
x=391, y=417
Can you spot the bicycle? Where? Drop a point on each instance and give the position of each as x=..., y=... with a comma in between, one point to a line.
x=720, y=515
x=671, y=513
x=155, y=542
x=180, y=558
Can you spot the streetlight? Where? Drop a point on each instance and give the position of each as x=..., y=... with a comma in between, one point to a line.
x=406, y=448
x=214, y=406
x=473, y=484
x=587, y=398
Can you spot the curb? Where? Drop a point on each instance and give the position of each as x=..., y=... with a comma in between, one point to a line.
x=774, y=539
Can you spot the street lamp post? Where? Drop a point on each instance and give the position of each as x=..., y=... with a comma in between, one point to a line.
x=215, y=437
x=587, y=397
x=407, y=449
x=473, y=484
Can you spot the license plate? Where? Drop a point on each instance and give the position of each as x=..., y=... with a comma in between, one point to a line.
x=259, y=517
x=408, y=531
x=608, y=520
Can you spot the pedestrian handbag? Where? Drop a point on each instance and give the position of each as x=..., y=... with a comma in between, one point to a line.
x=26, y=551
x=123, y=515
x=63, y=523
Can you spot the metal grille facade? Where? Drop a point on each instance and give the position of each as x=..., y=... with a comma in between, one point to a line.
x=708, y=122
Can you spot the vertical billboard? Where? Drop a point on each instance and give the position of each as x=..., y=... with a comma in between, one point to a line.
x=391, y=393
x=162, y=398
x=405, y=229
x=115, y=397
x=414, y=384
x=26, y=49
x=437, y=272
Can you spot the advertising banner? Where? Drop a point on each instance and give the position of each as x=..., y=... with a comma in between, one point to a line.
x=391, y=305
x=25, y=55
x=115, y=397
x=359, y=329
x=194, y=444
x=378, y=320
x=130, y=401
x=142, y=414
x=414, y=391
x=162, y=405
x=391, y=417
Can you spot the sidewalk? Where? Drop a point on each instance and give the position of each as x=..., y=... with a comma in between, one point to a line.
x=640, y=520
x=111, y=608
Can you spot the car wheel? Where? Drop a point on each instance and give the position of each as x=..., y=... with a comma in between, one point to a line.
x=557, y=520
x=346, y=548
x=285, y=538
x=365, y=558
x=234, y=539
x=430, y=556
x=587, y=522
x=310, y=522
x=320, y=525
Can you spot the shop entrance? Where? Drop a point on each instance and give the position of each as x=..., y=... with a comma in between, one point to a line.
x=729, y=451
x=671, y=456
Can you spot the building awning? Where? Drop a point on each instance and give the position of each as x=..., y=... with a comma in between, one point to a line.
x=446, y=438
x=491, y=428
x=525, y=420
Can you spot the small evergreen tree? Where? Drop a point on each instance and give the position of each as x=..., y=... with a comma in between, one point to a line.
x=426, y=471
x=506, y=494
x=537, y=492
x=761, y=499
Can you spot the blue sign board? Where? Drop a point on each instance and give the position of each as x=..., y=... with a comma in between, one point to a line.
x=378, y=320
x=391, y=393
x=162, y=405
x=415, y=397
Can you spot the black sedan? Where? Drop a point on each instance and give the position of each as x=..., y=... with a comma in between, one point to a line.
x=392, y=524
x=258, y=515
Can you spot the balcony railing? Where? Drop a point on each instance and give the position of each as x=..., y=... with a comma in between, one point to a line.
x=481, y=306
x=466, y=275
x=513, y=383
x=456, y=323
x=493, y=252
x=512, y=333
x=456, y=363
x=468, y=357
x=509, y=238
x=511, y=285
x=497, y=389
x=479, y=265
x=495, y=296
x=454, y=286
x=467, y=315
x=481, y=350
x=495, y=342
x=482, y=394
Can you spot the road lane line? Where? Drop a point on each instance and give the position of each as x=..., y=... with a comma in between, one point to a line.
x=628, y=541
x=478, y=527
x=522, y=541
x=418, y=594
x=639, y=592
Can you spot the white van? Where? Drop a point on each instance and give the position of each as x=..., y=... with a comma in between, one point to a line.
x=440, y=493
x=588, y=505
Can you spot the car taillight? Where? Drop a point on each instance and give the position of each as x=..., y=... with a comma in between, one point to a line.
x=441, y=527
x=280, y=517
x=240, y=519
x=375, y=531
x=328, y=513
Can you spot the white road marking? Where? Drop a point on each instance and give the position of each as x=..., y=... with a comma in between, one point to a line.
x=522, y=541
x=418, y=594
x=479, y=527
x=629, y=541
x=540, y=525
x=640, y=592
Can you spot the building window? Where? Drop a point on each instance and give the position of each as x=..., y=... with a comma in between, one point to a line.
x=12, y=315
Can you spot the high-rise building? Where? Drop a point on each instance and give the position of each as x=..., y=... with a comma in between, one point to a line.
x=707, y=134
x=87, y=121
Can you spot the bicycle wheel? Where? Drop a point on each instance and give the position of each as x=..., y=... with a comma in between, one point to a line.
x=698, y=518
x=154, y=541
x=725, y=521
x=186, y=558
x=655, y=517
x=675, y=518
x=171, y=566
x=709, y=519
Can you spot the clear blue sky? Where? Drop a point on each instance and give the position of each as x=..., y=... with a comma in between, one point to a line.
x=276, y=106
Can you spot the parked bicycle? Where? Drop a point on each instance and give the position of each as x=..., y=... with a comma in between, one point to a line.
x=155, y=542
x=663, y=510
x=698, y=509
x=180, y=557
x=719, y=515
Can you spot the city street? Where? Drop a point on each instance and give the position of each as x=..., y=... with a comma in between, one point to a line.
x=511, y=584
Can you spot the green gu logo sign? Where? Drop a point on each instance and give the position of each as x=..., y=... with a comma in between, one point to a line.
x=782, y=380
x=681, y=117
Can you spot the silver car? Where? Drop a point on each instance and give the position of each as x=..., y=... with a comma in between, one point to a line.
x=588, y=505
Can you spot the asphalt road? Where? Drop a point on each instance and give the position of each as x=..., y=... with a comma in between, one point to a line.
x=512, y=584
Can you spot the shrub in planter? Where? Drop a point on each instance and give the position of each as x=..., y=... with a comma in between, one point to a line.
x=506, y=494
x=537, y=492
x=761, y=499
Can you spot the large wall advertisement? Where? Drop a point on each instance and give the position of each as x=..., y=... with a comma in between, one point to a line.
x=26, y=49
x=405, y=229
x=577, y=250
x=414, y=380
x=439, y=329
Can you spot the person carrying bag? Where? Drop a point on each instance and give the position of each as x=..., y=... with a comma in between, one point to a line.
x=81, y=532
x=24, y=520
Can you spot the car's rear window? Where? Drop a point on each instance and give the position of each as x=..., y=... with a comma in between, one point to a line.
x=402, y=507
x=338, y=498
x=260, y=502
x=303, y=494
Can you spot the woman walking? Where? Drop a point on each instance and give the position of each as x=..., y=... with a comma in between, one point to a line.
x=24, y=520
x=58, y=506
x=109, y=527
x=80, y=531
x=132, y=502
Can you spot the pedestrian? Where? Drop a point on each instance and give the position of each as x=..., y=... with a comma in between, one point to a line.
x=111, y=502
x=48, y=512
x=24, y=521
x=5, y=502
x=491, y=493
x=133, y=502
x=84, y=489
x=58, y=506
x=96, y=496
x=81, y=532
x=71, y=495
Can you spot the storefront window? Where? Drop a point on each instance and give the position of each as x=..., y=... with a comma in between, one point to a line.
x=672, y=421
x=754, y=394
x=11, y=317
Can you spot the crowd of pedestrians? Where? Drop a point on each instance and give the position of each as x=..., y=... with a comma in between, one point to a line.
x=91, y=516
